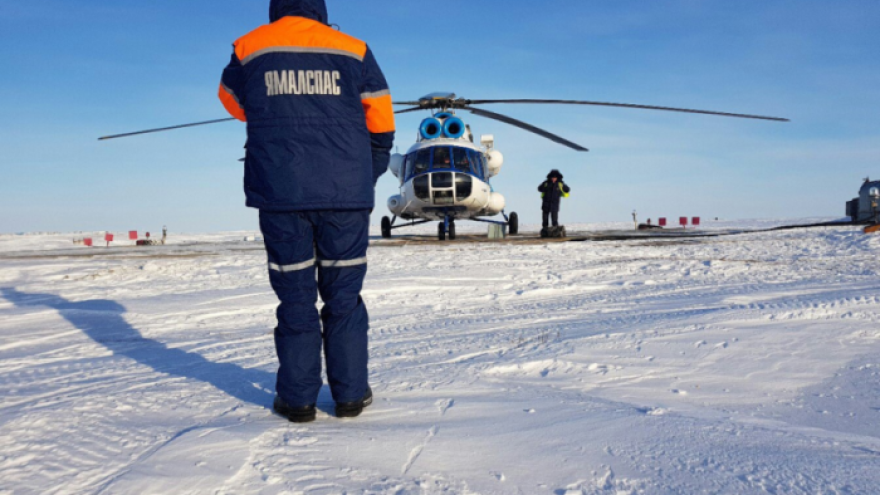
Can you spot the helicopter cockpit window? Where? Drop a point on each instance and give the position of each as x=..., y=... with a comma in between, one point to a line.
x=442, y=158
x=464, y=186
x=418, y=162
x=422, y=188
x=460, y=159
x=476, y=164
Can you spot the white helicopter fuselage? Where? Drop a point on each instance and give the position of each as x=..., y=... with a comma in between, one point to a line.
x=446, y=178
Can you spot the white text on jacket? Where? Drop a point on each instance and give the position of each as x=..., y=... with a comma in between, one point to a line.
x=303, y=82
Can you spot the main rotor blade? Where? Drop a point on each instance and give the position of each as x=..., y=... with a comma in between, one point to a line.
x=163, y=129
x=627, y=105
x=409, y=103
x=523, y=125
x=416, y=109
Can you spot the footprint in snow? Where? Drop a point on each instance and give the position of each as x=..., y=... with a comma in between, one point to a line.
x=444, y=405
x=599, y=368
x=651, y=411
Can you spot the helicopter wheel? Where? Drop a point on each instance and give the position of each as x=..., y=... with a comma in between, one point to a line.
x=441, y=231
x=451, y=230
x=386, y=228
x=513, y=224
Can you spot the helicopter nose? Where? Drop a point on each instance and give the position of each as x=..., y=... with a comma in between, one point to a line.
x=448, y=188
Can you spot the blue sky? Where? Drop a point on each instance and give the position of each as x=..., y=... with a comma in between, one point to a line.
x=73, y=71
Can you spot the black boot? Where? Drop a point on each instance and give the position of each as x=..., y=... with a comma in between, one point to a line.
x=354, y=409
x=305, y=414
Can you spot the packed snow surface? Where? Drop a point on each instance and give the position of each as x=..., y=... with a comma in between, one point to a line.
x=731, y=365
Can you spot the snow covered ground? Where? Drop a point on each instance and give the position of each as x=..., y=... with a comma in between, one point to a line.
x=732, y=365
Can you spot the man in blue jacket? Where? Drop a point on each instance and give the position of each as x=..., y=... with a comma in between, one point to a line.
x=552, y=191
x=320, y=130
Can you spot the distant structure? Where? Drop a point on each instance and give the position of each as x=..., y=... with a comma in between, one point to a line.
x=863, y=209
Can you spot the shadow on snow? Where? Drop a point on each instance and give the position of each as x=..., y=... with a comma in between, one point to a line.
x=103, y=322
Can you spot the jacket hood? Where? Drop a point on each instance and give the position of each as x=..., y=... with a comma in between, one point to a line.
x=315, y=10
x=554, y=173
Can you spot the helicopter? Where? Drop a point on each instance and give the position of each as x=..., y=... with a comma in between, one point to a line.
x=446, y=176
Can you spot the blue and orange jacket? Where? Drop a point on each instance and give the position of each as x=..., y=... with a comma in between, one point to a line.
x=318, y=109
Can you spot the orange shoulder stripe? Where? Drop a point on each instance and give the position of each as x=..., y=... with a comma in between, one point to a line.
x=231, y=103
x=298, y=35
x=380, y=114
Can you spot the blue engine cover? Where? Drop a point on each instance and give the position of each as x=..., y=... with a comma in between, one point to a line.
x=453, y=128
x=431, y=128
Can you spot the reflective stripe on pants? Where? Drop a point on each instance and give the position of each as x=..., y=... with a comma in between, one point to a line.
x=333, y=244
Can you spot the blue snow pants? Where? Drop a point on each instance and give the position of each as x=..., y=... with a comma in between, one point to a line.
x=333, y=243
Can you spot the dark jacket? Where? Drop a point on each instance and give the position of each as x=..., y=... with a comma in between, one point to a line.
x=552, y=194
x=318, y=108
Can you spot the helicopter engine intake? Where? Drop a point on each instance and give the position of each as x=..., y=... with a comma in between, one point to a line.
x=453, y=128
x=431, y=128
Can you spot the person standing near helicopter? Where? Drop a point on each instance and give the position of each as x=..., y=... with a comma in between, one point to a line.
x=552, y=191
x=320, y=131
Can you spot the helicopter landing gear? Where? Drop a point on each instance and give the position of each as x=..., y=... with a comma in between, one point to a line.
x=513, y=224
x=446, y=228
x=386, y=228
